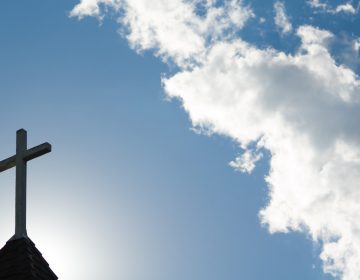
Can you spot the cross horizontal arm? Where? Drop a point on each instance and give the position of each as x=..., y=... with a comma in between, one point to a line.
x=7, y=163
x=37, y=151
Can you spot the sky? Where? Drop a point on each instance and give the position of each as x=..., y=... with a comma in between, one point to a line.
x=196, y=139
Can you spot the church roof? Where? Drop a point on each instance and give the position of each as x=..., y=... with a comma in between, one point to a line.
x=20, y=260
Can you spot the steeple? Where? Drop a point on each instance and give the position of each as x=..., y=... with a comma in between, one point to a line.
x=19, y=258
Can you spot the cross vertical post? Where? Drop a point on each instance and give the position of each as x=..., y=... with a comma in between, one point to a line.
x=20, y=203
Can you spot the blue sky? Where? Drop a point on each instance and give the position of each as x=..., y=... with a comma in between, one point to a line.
x=131, y=191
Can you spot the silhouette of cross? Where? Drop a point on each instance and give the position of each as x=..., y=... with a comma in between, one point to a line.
x=23, y=155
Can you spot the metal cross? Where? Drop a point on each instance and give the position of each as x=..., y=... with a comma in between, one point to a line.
x=23, y=155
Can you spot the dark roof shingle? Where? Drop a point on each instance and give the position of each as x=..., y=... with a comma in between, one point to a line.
x=20, y=260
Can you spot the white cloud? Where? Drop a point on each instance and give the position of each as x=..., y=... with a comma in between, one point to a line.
x=342, y=8
x=346, y=8
x=172, y=27
x=356, y=45
x=311, y=36
x=93, y=7
x=303, y=108
x=246, y=162
x=151, y=25
x=281, y=19
x=317, y=4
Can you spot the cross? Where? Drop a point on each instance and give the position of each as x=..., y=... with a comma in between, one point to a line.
x=19, y=160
